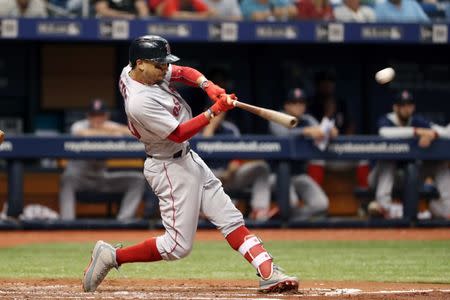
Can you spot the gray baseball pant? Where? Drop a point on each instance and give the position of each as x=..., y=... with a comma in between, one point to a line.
x=130, y=183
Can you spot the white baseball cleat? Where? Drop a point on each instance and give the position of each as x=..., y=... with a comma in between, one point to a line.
x=102, y=261
x=279, y=282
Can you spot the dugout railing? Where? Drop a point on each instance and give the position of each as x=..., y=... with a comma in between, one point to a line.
x=16, y=150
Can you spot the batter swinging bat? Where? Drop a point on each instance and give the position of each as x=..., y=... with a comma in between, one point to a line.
x=286, y=120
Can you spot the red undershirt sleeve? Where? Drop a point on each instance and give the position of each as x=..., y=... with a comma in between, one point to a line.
x=188, y=129
x=185, y=75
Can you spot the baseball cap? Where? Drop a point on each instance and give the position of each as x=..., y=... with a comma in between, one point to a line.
x=404, y=97
x=97, y=106
x=296, y=95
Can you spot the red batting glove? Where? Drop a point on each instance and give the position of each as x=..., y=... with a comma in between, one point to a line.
x=222, y=105
x=213, y=90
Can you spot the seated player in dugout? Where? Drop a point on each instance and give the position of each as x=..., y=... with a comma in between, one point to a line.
x=402, y=122
x=314, y=202
x=93, y=175
x=239, y=174
x=326, y=104
x=162, y=120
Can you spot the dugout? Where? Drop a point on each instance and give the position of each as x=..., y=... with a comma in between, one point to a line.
x=43, y=75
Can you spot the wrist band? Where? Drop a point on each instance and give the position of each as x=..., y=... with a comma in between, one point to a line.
x=211, y=114
x=204, y=84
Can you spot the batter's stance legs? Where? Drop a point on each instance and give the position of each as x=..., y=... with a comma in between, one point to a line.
x=272, y=278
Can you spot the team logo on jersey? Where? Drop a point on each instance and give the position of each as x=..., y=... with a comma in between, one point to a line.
x=176, y=108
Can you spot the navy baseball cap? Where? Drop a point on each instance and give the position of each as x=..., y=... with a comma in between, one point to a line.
x=97, y=106
x=404, y=97
x=296, y=95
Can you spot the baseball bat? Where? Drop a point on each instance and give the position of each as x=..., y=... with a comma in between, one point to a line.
x=286, y=120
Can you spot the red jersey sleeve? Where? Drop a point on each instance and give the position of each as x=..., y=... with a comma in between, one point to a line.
x=185, y=75
x=188, y=129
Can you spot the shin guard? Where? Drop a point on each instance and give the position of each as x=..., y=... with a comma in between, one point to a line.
x=253, y=251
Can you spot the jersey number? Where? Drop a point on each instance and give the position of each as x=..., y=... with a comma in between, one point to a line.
x=124, y=92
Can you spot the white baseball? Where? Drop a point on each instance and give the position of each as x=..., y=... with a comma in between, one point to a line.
x=384, y=76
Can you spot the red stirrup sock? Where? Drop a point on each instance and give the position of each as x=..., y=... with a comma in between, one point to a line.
x=362, y=174
x=253, y=251
x=143, y=252
x=316, y=172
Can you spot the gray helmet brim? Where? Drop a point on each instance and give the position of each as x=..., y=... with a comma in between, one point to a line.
x=169, y=59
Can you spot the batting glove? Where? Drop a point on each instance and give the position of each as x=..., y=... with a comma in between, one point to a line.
x=213, y=90
x=222, y=104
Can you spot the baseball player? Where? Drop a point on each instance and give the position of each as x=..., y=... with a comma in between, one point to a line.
x=302, y=185
x=402, y=123
x=161, y=119
x=93, y=174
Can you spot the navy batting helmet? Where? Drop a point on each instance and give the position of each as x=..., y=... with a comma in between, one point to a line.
x=151, y=47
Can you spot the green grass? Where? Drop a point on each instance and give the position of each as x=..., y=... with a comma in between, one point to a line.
x=390, y=261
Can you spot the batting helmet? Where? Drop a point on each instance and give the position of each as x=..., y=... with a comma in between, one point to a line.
x=151, y=47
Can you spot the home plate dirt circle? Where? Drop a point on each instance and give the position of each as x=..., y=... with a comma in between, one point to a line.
x=215, y=289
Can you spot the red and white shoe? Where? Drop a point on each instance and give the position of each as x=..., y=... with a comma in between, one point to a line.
x=279, y=282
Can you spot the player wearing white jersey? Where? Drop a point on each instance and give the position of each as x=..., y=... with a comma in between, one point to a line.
x=160, y=118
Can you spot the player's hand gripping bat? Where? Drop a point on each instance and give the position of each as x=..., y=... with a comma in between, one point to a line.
x=286, y=120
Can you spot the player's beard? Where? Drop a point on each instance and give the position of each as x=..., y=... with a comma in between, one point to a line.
x=404, y=119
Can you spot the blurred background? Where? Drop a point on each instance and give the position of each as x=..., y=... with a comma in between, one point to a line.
x=56, y=56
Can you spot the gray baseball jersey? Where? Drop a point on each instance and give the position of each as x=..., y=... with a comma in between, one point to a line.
x=154, y=112
x=184, y=185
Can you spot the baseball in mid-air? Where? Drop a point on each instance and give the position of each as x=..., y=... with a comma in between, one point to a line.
x=2, y=136
x=385, y=75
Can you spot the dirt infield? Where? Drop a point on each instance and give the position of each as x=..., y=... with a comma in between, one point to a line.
x=218, y=289
x=12, y=238
x=214, y=289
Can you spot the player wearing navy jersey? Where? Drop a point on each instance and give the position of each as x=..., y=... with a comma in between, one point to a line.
x=303, y=187
x=403, y=123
